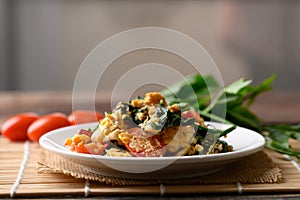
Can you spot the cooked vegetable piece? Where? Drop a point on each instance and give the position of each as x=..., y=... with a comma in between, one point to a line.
x=145, y=146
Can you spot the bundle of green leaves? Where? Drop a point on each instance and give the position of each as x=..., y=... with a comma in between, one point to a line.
x=207, y=95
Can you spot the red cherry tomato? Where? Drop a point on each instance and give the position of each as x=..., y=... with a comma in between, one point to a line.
x=45, y=124
x=84, y=116
x=15, y=128
x=191, y=114
x=143, y=146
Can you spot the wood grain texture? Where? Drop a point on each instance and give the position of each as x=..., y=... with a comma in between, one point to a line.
x=272, y=107
x=51, y=185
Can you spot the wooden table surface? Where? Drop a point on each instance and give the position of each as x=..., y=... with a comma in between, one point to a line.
x=272, y=107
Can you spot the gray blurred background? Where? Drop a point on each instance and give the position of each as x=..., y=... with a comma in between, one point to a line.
x=43, y=42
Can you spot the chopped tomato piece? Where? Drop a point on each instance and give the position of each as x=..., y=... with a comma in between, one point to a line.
x=143, y=146
x=80, y=148
x=191, y=114
x=90, y=148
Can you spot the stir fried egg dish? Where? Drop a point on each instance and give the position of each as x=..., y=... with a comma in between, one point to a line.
x=149, y=127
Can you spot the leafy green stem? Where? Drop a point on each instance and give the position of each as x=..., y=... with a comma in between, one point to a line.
x=215, y=117
x=214, y=102
x=237, y=97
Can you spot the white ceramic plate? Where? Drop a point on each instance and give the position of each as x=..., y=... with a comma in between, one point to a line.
x=244, y=141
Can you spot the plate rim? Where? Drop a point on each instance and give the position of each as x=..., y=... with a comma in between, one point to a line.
x=251, y=149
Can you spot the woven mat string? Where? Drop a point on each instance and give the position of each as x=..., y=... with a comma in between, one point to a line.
x=21, y=170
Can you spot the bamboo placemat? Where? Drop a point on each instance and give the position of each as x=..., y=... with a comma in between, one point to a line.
x=32, y=184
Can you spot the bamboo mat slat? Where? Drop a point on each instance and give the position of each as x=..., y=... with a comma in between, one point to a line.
x=49, y=185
